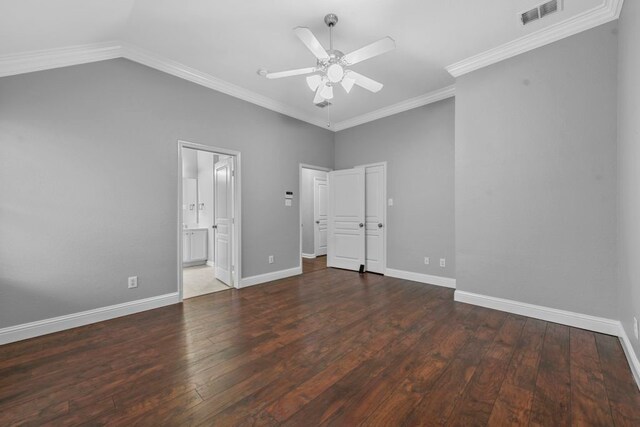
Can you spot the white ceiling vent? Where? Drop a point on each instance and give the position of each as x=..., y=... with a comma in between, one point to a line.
x=540, y=11
x=548, y=8
x=529, y=16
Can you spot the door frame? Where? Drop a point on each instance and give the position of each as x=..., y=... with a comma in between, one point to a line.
x=385, y=221
x=236, y=276
x=300, y=167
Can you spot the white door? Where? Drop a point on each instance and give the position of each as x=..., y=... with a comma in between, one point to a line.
x=223, y=219
x=198, y=247
x=320, y=215
x=375, y=194
x=345, y=238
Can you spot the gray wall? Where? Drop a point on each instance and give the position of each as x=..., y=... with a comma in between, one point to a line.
x=419, y=148
x=536, y=176
x=629, y=166
x=88, y=183
x=306, y=198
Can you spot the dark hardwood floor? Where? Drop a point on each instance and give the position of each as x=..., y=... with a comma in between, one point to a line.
x=329, y=347
x=318, y=263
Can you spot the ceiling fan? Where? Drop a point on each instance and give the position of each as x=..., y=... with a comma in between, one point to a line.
x=332, y=66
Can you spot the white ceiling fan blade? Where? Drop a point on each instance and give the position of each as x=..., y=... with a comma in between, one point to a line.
x=311, y=42
x=369, y=51
x=290, y=73
x=314, y=81
x=347, y=82
x=365, y=82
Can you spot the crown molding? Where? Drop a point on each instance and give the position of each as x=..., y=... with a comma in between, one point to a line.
x=409, y=104
x=74, y=55
x=83, y=54
x=182, y=71
x=39, y=60
x=609, y=10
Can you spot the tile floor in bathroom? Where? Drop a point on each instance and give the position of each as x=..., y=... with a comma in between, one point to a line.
x=200, y=280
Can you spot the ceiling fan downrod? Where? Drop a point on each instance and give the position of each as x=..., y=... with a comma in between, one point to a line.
x=331, y=19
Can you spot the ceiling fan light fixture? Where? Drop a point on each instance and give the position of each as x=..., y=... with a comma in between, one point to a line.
x=314, y=81
x=335, y=73
x=347, y=83
x=327, y=92
x=333, y=66
x=318, y=98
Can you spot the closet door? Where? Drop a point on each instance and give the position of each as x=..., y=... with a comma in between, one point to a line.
x=375, y=210
x=346, y=217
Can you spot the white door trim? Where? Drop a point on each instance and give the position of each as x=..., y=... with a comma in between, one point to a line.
x=300, y=167
x=384, y=213
x=237, y=214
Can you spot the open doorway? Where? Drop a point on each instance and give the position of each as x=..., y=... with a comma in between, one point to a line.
x=313, y=217
x=209, y=225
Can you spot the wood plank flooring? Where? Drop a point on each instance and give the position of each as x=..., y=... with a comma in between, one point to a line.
x=313, y=264
x=330, y=347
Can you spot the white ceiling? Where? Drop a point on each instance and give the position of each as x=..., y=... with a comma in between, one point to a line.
x=230, y=40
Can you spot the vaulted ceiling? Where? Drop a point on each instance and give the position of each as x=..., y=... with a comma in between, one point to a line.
x=229, y=40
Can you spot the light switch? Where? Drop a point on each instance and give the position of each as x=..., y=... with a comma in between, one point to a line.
x=390, y=202
x=287, y=202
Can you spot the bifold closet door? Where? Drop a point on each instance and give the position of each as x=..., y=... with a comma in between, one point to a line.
x=346, y=214
x=223, y=217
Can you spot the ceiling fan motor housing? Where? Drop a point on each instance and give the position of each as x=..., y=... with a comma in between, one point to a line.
x=331, y=19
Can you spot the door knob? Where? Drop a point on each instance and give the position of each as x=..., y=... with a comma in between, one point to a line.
x=214, y=226
x=361, y=225
x=317, y=222
x=379, y=225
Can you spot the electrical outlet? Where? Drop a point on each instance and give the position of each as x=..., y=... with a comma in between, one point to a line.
x=132, y=282
x=443, y=262
x=270, y=259
x=635, y=327
x=426, y=260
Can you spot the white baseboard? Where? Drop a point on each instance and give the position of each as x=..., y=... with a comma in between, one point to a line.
x=569, y=318
x=447, y=282
x=210, y=263
x=269, y=277
x=632, y=357
x=308, y=255
x=56, y=324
